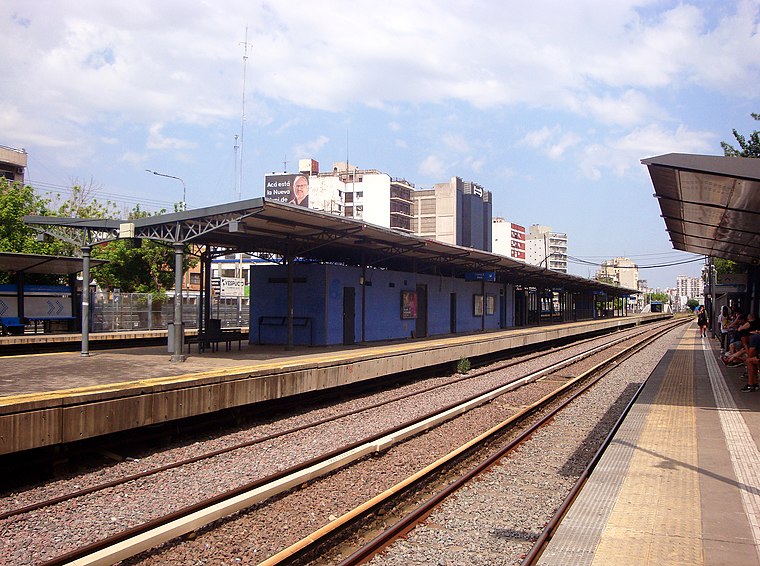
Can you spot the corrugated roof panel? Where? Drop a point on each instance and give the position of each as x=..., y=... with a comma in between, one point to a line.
x=711, y=204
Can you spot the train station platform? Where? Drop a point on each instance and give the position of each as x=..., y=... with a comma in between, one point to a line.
x=680, y=482
x=58, y=398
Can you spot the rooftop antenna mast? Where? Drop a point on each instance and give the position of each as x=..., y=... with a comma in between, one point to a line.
x=235, y=175
x=353, y=179
x=245, y=45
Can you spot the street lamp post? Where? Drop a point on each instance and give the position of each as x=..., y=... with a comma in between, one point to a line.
x=184, y=189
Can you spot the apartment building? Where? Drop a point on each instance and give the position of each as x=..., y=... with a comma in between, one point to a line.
x=346, y=190
x=456, y=212
x=12, y=163
x=508, y=238
x=620, y=271
x=689, y=287
x=546, y=248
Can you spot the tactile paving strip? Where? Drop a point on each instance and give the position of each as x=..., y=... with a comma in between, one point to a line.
x=653, y=514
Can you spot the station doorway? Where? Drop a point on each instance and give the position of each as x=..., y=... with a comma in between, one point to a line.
x=349, y=316
x=421, y=327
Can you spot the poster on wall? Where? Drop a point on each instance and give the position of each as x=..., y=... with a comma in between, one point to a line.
x=490, y=305
x=408, y=304
x=293, y=189
x=477, y=308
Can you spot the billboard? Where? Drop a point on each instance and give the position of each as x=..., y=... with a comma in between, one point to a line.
x=292, y=188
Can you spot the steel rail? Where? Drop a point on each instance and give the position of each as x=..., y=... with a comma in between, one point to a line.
x=310, y=542
x=551, y=527
x=247, y=444
x=135, y=537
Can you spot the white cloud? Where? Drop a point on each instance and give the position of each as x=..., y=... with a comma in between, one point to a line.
x=620, y=155
x=538, y=138
x=133, y=157
x=552, y=141
x=432, y=166
x=99, y=57
x=476, y=165
x=566, y=141
x=311, y=147
x=456, y=142
x=156, y=140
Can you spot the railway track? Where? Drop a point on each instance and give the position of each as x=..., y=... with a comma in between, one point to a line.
x=486, y=455
x=266, y=486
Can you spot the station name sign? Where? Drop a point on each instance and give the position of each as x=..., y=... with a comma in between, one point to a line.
x=480, y=276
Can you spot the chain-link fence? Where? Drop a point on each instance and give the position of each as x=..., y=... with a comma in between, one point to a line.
x=112, y=312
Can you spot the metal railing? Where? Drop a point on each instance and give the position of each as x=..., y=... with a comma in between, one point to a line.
x=113, y=312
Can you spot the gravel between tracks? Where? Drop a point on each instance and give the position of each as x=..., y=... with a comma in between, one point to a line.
x=39, y=536
x=497, y=518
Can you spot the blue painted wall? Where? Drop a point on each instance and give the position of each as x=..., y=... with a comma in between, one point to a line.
x=318, y=295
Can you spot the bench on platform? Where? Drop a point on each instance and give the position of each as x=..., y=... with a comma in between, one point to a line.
x=12, y=325
x=282, y=322
x=213, y=335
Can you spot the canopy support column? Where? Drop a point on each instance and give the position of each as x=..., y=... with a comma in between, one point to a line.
x=179, y=335
x=86, y=300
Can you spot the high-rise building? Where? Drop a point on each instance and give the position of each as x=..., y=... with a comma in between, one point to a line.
x=546, y=248
x=12, y=163
x=457, y=212
x=689, y=287
x=508, y=239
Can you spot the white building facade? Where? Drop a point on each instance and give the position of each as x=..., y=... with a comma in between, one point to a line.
x=546, y=248
x=364, y=194
x=620, y=271
x=689, y=288
x=508, y=239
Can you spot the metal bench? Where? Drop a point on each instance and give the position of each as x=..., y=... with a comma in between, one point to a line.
x=213, y=335
x=282, y=321
x=11, y=325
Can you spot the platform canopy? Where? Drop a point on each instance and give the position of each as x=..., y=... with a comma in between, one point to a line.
x=262, y=226
x=711, y=204
x=42, y=264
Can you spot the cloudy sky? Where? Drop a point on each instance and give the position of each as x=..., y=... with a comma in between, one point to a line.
x=550, y=105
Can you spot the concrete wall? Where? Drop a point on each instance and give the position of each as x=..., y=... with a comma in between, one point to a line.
x=318, y=292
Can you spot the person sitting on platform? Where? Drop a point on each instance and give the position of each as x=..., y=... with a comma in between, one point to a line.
x=752, y=363
x=739, y=349
x=724, y=320
x=737, y=319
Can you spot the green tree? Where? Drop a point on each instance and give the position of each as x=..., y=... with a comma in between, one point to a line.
x=661, y=297
x=147, y=266
x=17, y=201
x=727, y=267
x=749, y=147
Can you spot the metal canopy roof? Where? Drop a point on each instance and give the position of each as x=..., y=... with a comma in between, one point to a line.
x=711, y=204
x=264, y=226
x=46, y=264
